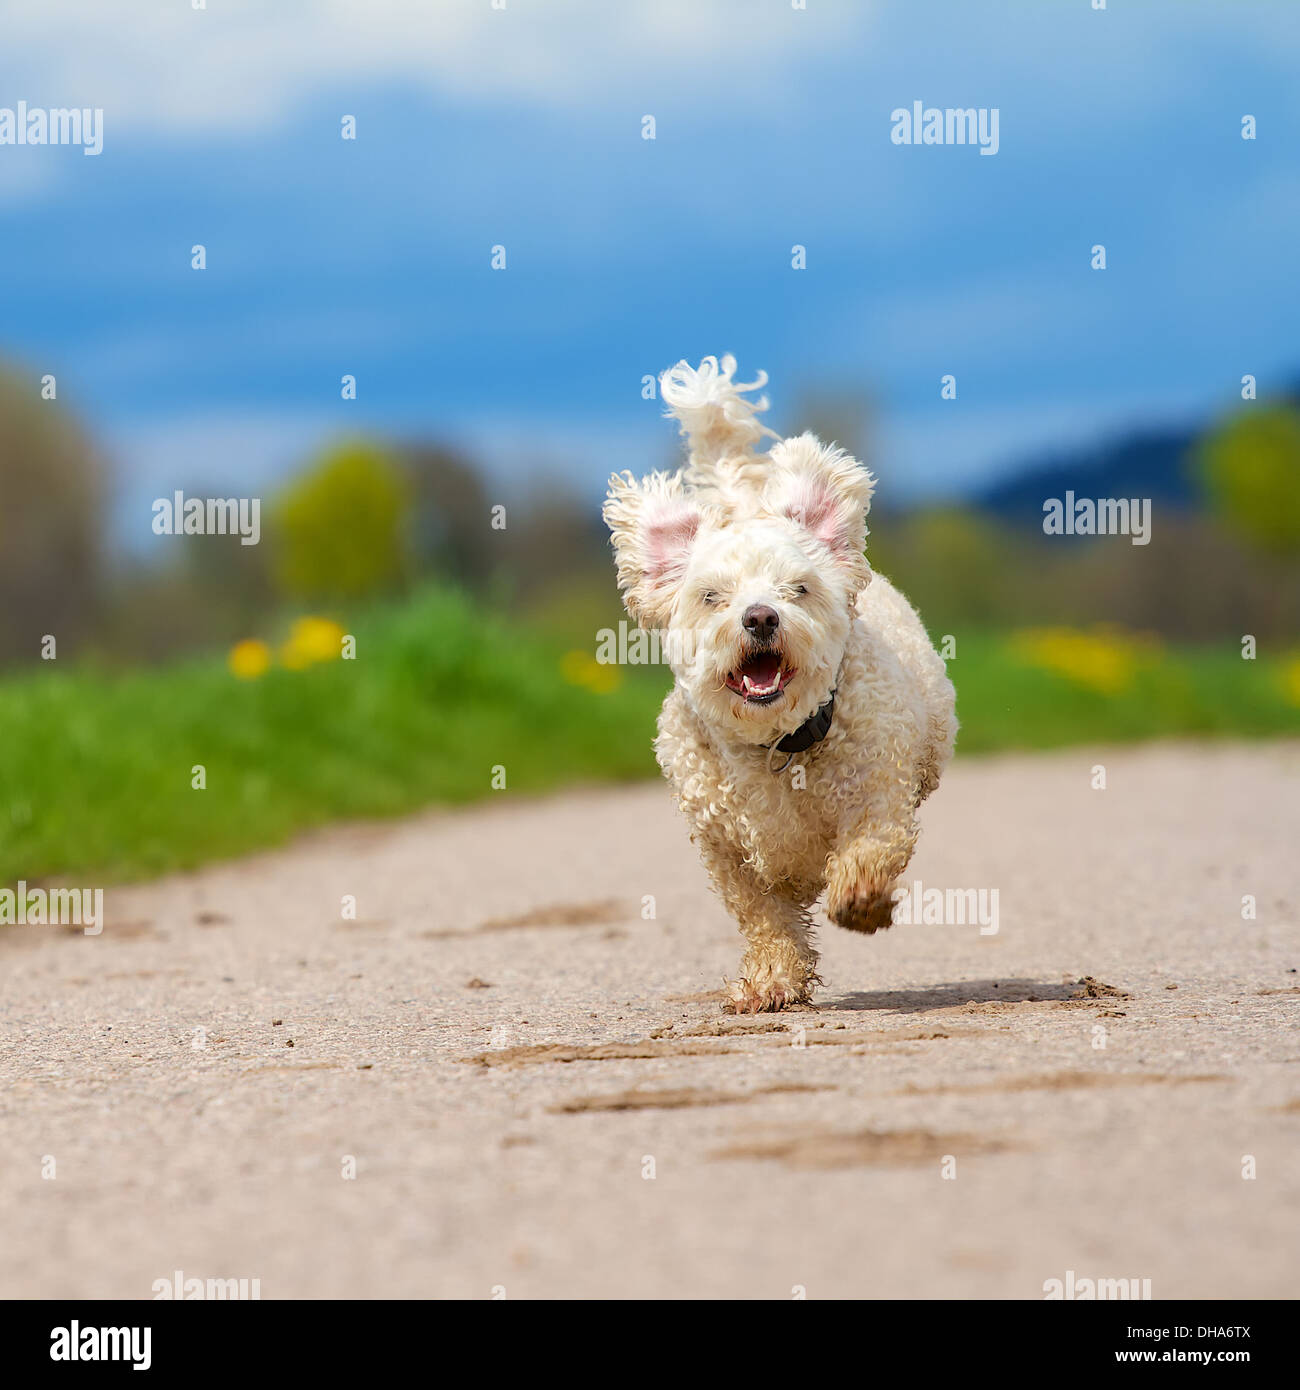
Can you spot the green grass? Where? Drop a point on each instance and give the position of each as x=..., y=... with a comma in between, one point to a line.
x=95, y=770
x=1004, y=703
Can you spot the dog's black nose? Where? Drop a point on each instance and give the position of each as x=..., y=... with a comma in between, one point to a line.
x=761, y=620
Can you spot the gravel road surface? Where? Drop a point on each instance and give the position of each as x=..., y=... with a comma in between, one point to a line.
x=510, y=1071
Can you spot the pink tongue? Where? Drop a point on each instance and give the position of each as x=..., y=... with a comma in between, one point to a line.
x=762, y=670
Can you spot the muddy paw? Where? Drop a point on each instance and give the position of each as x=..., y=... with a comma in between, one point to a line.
x=865, y=909
x=747, y=998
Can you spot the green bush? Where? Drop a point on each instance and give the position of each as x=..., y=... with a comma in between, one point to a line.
x=1251, y=470
x=342, y=530
x=51, y=523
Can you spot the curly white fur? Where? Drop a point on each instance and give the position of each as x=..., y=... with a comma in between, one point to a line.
x=740, y=543
x=720, y=425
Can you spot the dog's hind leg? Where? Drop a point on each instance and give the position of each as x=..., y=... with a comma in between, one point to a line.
x=927, y=776
x=938, y=749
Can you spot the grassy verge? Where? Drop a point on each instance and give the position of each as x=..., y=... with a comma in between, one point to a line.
x=1053, y=687
x=96, y=770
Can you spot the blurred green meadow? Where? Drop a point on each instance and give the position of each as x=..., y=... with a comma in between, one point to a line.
x=398, y=640
x=445, y=702
x=98, y=767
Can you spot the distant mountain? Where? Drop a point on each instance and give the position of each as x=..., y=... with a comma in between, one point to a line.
x=1156, y=465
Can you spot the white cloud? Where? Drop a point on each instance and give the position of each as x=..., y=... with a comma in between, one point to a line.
x=27, y=173
x=240, y=64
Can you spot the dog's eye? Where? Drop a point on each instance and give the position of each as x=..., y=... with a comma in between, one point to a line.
x=709, y=596
x=800, y=590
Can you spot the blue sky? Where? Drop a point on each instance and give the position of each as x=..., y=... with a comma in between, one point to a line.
x=522, y=127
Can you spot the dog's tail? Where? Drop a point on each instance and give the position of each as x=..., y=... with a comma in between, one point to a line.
x=715, y=417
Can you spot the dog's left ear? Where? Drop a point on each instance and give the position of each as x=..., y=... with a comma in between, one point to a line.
x=828, y=494
x=653, y=525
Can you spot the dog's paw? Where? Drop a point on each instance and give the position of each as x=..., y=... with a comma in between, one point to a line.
x=866, y=909
x=749, y=998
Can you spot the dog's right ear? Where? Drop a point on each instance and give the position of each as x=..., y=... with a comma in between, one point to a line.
x=654, y=525
x=827, y=494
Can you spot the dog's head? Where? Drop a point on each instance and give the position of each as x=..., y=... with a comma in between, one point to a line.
x=755, y=595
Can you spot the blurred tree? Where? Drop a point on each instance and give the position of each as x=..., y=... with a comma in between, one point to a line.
x=451, y=534
x=1250, y=467
x=844, y=416
x=342, y=529
x=555, y=542
x=52, y=524
x=236, y=575
x=955, y=565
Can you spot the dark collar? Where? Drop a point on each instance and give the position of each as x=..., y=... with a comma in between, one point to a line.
x=812, y=730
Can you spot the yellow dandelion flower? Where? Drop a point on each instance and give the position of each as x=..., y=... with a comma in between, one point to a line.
x=249, y=659
x=581, y=668
x=573, y=666
x=1104, y=659
x=312, y=640
x=1291, y=680
x=603, y=678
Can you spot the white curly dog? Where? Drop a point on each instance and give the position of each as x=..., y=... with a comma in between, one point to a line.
x=810, y=714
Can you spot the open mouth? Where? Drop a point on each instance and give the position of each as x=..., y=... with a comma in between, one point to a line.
x=760, y=678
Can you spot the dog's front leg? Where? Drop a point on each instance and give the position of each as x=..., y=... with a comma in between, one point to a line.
x=860, y=872
x=780, y=965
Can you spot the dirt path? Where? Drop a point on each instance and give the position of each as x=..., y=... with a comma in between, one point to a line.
x=506, y=1048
